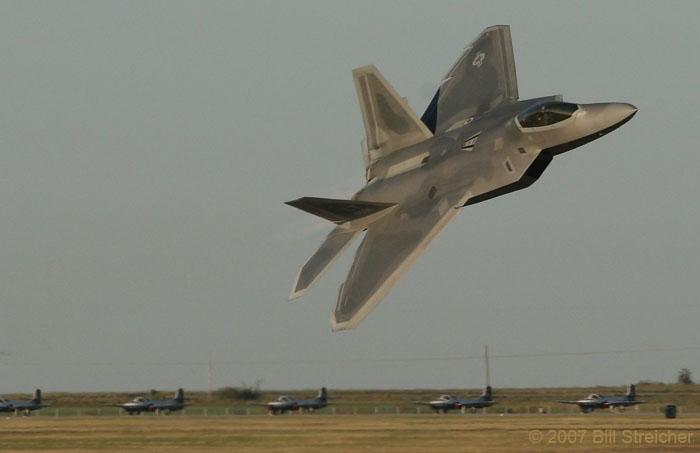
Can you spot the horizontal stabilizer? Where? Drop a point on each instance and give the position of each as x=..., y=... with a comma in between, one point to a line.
x=347, y=213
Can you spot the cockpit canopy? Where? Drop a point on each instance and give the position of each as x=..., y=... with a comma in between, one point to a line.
x=546, y=114
x=445, y=397
x=593, y=396
x=284, y=398
x=140, y=399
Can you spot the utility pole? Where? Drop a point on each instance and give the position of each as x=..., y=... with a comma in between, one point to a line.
x=210, y=378
x=486, y=362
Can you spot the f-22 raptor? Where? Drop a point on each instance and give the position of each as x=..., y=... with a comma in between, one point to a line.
x=596, y=401
x=22, y=407
x=444, y=403
x=475, y=141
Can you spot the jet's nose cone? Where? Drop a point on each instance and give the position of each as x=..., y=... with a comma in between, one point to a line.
x=625, y=110
x=616, y=112
x=606, y=115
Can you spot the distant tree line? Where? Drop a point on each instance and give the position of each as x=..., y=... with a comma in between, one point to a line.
x=243, y=392
x=685, y=376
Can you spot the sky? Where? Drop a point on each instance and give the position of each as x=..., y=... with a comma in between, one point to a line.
x=146, y=150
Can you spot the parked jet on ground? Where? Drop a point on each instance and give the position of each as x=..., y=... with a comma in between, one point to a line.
x=287, y=403
x=445, y=403
x=22, y=407
x=595, y=401
x=474, y=142
x=143, y=404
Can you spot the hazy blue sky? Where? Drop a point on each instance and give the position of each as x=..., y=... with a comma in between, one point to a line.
x=146, y=149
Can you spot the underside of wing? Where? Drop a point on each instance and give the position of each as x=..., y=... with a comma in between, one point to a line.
x=389, y=248
x=482, y=78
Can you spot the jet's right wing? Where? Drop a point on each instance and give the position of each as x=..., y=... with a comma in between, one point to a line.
x=482, y=78
x=390, y=247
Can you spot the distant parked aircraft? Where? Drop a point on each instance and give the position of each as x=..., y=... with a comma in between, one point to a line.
x=286, y=403
x=143, y=404
x=444, y=403
x=596, y=401
x=26, y=407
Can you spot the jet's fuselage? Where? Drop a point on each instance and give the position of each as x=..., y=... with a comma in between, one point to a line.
x=505, y=150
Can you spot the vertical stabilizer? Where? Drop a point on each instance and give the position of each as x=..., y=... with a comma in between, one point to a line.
x=487, y=394
x=390, y=124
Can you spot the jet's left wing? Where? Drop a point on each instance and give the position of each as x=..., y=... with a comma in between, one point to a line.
x=482, y=78
x=390, y=247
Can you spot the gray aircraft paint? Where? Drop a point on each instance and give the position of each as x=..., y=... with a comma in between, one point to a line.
x=596, y=401
x=143, y=404
x=286, y=403
x=445, y=403
x=23, y=406
x=479, y=150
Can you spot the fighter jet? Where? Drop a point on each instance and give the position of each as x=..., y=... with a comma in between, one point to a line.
x=287, y=403
x=475, y=141
x=595, y=401
x=444, y=403
x=143, y=404
x=22, y=407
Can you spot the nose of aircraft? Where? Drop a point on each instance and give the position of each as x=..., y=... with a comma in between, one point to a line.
x=616, y=112
x=608, y=114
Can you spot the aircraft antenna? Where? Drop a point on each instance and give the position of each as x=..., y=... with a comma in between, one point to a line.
x=210, y=377
x=486, y=362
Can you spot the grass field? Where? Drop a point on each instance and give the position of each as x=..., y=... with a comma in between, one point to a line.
x=316, y=432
